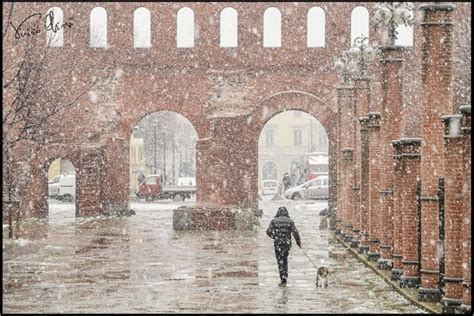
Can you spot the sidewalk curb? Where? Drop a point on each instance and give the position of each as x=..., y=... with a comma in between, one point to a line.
x=387, y=280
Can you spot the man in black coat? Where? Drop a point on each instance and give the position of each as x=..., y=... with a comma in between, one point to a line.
x=280, y=229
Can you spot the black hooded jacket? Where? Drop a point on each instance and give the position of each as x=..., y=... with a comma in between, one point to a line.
x=281, y=228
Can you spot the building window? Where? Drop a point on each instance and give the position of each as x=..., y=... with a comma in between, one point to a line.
x=269, y=137
x=297, y=137
x=272, y=28
x=359, y=23
x=141, y=28
x=185, y=28
x=405, y=35
x=315, y=27
x=229, y=28
x=55, y=36
x=269, y=171
x=98, y=27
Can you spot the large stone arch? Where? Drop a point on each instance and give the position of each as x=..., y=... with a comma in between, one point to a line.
x=35, y=202
x=198, y=122
x=275, y=104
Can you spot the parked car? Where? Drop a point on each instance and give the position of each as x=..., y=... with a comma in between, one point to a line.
x=63, y=187
x=270, y=187
x=313, y=189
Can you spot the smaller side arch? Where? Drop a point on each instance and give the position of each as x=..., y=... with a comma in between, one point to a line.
x=35, y=201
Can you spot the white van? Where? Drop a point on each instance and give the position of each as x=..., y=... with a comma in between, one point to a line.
x=63, y=187
x=191, y=181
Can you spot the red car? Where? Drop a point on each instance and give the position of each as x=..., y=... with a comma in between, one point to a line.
x=150, y=188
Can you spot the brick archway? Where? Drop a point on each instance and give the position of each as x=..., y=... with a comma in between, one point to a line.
x=141, y=117
x=291, y=101
x=35, y=202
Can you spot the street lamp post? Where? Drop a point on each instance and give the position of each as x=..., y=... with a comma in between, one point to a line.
x=361, y=52
x=345, y=65
x=393, y=14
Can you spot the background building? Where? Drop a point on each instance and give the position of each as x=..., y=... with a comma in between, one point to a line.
x=60, y=166
x=285, y=140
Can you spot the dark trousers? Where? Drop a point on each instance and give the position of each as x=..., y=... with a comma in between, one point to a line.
x=282, y=260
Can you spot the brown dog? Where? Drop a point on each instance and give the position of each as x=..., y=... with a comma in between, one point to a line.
x=323, y=273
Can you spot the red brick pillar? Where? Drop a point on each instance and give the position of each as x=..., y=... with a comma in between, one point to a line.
x=346, y=114
x=397, y=266
x=453, y=166
x=364, y=184
x=333, y=184
x=466, y=202
x=89, y=180
x=361, y=107
x=116, y=182
x=209, y=167
x=223, y=175
x=374, y=183
x=392, y=62
x=410, y=158
x=437, y=96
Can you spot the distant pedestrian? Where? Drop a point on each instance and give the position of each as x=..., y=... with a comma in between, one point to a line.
x=286, y=182
x=140, y=178
x=280, y=230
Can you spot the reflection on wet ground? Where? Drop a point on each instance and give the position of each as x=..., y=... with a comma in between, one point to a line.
x=140, y=264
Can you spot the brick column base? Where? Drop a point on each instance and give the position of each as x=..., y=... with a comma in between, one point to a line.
x=213, y=218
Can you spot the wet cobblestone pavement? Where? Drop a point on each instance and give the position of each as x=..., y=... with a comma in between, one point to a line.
x=139, y=264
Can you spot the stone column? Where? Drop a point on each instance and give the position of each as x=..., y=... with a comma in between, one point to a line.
x=453, y=166
x=397, y=266
x=364, y=184
x=437, y=96
x=339, y=209
x=346, y=99
x=346, y=103
x=347, y=170
x=374, y=183
x=361, y=107
x=409, y=206
x=466, y=202
x=392, y=62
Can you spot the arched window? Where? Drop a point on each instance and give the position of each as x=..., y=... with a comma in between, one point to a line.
x=141, y=28
x=272, y=28
x=316, y=27
x=359, y=23
x=54, y=31
x=405, y=35
x=185, y=28
x=98, y=27
x=269, y=171
x=229, y=28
